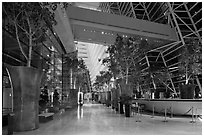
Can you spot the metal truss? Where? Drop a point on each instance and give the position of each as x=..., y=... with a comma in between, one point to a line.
x=185, y=17
x=151, y=11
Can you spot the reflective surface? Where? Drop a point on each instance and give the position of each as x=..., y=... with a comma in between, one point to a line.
x=100, y=120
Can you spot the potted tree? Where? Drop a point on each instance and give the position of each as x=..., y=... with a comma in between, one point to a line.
x=99, y=83
x=111, y=64
x=190, y=67
x=81, y=79
x=102, y=80
x=161, y=76
x=106, y=75
x=123, y=56
x=28, y=21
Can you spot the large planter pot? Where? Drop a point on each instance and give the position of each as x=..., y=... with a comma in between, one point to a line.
x=127, y=110
x=73, y=97
x=121, y=108
x=187, y=91
x=26, y=90
x=108, y=98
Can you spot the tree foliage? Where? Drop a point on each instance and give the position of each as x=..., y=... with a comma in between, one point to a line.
x=191, y=59
x=123, y=57
x=103, y=78
x=29, y=21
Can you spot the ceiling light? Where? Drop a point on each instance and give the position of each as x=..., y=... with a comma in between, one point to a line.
x=102, y=32
x=84, y=29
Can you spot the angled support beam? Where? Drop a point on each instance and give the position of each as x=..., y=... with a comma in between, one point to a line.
x=193, y=6
x=157, y=9
x=122, y=5
x=198, y=82
x=165, y=46
x=119, y=8
x=150, y=73
x=177, y=26
x=143, y=5
x=178, y=6
x=193, y=23
x=152, y=7
x=158, y=56
x=124, y=9
x=168, y=73
x=133, y=11
x=128, y=9
x=191, y=33
x=186, y=25
x=147, y=60
x=197, y=12
x=173, y=50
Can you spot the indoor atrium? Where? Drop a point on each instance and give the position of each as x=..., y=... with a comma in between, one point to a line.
x=101, y=68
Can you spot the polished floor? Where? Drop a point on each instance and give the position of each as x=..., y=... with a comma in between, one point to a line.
x=97, y=119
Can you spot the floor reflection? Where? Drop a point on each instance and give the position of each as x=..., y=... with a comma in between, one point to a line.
x=79, y=112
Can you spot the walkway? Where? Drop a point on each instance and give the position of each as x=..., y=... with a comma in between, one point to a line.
x=99, y=120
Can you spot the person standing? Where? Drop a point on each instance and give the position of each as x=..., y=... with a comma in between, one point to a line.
x=56, y=98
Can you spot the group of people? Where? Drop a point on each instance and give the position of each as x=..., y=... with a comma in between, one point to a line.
x=45, y=100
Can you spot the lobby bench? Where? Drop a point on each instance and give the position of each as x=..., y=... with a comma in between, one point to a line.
x=44, y=117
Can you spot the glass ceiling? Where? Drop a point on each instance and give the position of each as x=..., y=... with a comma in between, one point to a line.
x=91, y=53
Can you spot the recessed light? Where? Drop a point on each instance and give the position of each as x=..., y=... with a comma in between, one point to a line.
x=102, y=32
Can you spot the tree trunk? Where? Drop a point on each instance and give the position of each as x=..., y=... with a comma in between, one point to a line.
x=127, y=72
x=30, y=51
x=19, y=43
